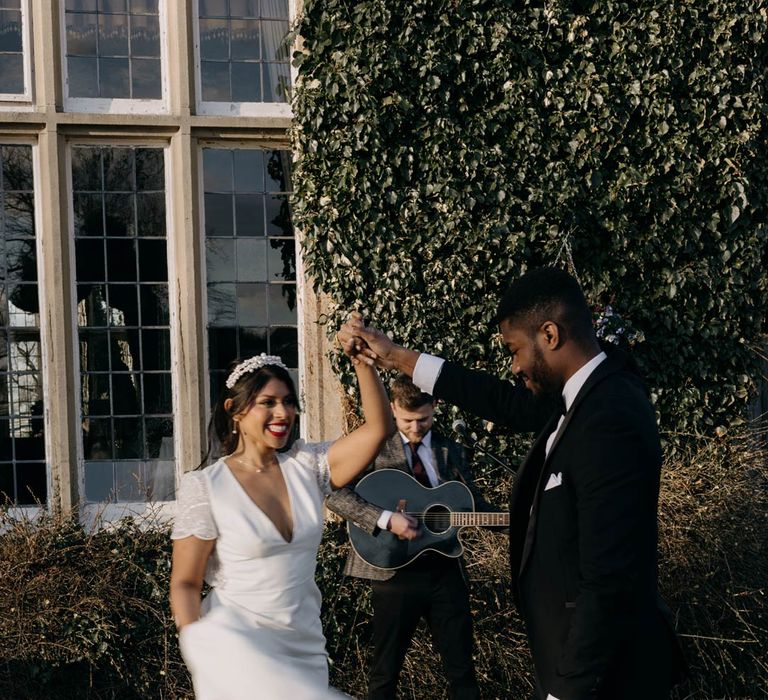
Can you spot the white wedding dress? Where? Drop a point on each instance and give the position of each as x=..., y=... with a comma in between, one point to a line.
x=259, y=635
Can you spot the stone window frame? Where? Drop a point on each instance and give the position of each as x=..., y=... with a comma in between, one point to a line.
x=118, y=105
x=241, y=109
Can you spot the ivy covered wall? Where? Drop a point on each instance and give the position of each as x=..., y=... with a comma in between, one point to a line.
x=446, y=145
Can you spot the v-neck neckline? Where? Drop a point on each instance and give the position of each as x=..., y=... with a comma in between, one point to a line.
x=260, y=509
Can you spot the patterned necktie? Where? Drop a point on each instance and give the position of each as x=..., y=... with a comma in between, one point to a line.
x=417, y=466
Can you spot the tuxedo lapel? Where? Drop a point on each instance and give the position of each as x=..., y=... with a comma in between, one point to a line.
x=535, y=466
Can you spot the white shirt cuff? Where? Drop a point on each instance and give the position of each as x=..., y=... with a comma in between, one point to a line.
x=426, y=372
x=383, y=520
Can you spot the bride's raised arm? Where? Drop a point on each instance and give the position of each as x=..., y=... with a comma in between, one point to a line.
x=352, y=453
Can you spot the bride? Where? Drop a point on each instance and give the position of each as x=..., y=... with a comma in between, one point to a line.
x=249, y=525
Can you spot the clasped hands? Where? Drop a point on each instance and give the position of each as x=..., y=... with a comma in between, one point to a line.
x=365, y=344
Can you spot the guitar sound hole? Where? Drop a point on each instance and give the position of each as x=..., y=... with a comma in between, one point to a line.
x=437, y=519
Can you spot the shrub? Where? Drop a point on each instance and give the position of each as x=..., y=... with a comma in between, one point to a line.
x=84, y=615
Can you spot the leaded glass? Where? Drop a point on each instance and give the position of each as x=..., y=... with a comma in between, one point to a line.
x=23, y=476
x=123, y=321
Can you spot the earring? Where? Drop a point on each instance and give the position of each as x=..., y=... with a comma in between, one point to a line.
x=234, y=429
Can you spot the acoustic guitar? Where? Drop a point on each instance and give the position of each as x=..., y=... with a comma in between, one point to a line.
x=441, y=511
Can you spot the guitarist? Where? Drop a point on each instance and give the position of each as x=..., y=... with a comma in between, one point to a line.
x=433, y=587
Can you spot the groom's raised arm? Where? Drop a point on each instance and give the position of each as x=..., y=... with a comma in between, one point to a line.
x=488, y=397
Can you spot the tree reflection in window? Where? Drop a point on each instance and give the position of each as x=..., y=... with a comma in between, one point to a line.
x=23, y=475
x=251, y=259
x=123, y=322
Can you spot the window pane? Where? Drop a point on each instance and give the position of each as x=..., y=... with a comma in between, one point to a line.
x=285, y=342
x=251, y=256
x=282, y=304
x=277, y=9
x=277, y=170
x=244, y=35
x=282, y=259
x=215, y=82
x=113, y=5
x=214, y=39
x=234, y=43
x=82, y=31
x=249, y=169
x=276, y=82
x=244, y=8
x=112, y=53
x=146, y=6
x=149, y=169
x=145, y=77
x=220, y=259
x=278, y=216
x=213, y=8
x=113, y=35
x=125, y=370
x=217, y=170
x=11, y=73
x=119, y=215
x=90, y=260
x=10, y=31
x=253, y=341
x=150, y=213
x=252, y=304
x=89, y=215
x=218, y=215
x=123, y=305
x=246, y=82
x=82, y=5
x=154, y=305
x=113, y=77
x=82, y=74
x=249, y=214
x=145, y=36
x=222, y=347
x=152, y=260
x=23, y=475
x=157, y=393
x=274, y=45
x=222, y=305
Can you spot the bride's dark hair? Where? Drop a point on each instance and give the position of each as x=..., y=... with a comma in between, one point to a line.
x=221, y=440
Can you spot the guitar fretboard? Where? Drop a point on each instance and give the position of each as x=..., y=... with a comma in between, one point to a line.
x=480, y=519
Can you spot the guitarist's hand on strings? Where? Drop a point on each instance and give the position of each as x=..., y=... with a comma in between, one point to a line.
x=404, y=526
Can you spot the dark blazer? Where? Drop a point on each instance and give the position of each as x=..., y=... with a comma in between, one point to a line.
x=583, y=551
x=450, y=460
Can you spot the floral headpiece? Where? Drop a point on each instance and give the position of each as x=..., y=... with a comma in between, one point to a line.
x=251, y=365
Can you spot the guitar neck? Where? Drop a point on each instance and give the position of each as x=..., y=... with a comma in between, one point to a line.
x=473, y=518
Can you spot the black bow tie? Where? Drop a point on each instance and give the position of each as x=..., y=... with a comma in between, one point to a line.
x=560, y=405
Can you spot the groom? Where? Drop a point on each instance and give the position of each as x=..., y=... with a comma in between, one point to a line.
x=583, y=508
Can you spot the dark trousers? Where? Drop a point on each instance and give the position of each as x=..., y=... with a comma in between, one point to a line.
x=434, y=589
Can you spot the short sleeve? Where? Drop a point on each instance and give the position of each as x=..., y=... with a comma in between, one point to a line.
x=193, y=509
x=315, y=455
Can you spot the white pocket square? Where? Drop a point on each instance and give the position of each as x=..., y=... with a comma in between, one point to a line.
x=554, y=481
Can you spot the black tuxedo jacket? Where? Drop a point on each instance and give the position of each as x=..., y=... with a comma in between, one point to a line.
x=583, y=532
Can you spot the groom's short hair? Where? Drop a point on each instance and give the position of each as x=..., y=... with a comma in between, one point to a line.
x=406, y=394
x=547, y=294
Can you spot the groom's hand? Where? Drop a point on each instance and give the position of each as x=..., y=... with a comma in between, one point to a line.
x=369, y=343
